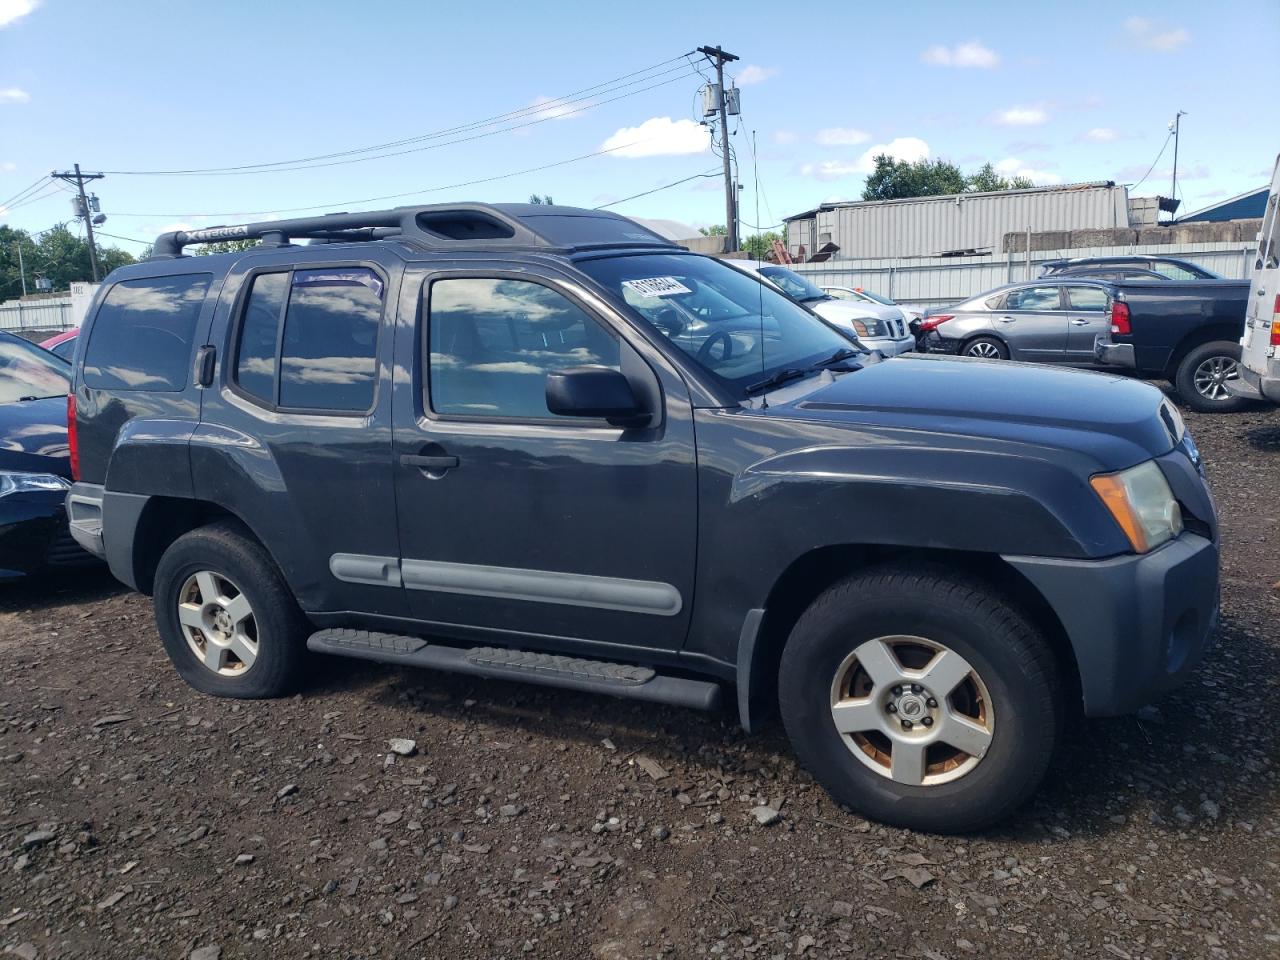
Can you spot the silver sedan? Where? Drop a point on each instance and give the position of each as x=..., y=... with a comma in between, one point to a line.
x=1040, y=321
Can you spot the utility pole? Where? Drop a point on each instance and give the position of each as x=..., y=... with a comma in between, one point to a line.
x=720, y=58
x=79, y=179
x=1173, y=190
x=22, y=270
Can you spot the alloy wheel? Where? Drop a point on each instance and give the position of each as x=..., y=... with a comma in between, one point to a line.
x=218, y=623
x=983, y=350
x=1211, y=377
x=912, y=710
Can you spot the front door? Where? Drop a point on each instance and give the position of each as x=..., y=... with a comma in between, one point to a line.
x=1087, y=319
x=514, y=521
x=1034, y=323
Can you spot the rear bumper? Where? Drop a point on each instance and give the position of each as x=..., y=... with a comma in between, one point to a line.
x=1254, y=386
x=1114, y=354
x=84, y=515
x=1138, y=625
x=936, y=343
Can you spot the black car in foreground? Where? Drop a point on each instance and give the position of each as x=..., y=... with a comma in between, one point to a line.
x=35, y=468
x=545, y=444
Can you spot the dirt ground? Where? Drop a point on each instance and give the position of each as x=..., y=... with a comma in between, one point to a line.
x=139, y=819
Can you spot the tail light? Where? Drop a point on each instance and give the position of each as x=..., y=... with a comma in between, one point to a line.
x=1120, y=318
x=73, y=441
x=1275, y=323
x=932, y=323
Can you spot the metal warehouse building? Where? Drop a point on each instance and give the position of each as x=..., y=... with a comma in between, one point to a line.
x=954, y=224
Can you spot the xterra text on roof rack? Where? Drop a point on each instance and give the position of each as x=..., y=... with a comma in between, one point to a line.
x=543, y=443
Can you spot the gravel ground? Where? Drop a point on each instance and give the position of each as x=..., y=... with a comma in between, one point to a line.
x=140, y=819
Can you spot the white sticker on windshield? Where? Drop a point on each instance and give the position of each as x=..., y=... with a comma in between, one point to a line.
x=656, y=287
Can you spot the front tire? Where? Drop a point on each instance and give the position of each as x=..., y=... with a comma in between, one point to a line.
x=985, y=348
x=228, y=621
x=1203, y=374
x=921, y=699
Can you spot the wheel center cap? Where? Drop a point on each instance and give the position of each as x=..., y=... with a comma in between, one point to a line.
x=911, y=707
x=222, y=621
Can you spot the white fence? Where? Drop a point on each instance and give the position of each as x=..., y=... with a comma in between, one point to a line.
x=931, y=281
x=49, y=315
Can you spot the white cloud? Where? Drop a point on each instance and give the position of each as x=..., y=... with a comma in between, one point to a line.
x=659, y=137
x=784, y=136
x=841, y=136
x=549, y=109
x=1021, y=117
x=1100, y=135
x=910, y=149
x=11, y=10
x=8, y=167
x=13, y=94
x=971, y=54
x=1013, y=167
x=753, y=74
x=1156, y=37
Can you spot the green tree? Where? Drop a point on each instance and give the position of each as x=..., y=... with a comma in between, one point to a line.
x=895, y=179
x=221, y=246
x=760, y=245
x=718, y=230
x=534, y=198
x=58, y=255
x=987, y=180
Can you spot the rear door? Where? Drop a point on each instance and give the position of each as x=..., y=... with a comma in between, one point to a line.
x=1264, y=295
x=1034, y=323
x=1087, y=319
x=522, y=522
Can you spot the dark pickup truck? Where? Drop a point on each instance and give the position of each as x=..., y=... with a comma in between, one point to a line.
x=545, y=444
x=1186, y=331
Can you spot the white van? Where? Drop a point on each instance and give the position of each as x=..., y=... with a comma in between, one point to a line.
x=1260, y=345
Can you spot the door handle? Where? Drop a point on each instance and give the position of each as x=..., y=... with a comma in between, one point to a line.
x=440, y=463
x=1079, y=323
x=1008, y=319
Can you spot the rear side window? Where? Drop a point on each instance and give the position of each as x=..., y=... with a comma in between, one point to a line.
x=1087, y=298
x=141, y=337
x=1033, y=298
x=308, y=339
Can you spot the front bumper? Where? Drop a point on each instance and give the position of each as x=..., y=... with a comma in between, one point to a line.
x=1114, y=354
x=1138, y=625
x=33, y=535
x=1254, y=386
x=889, y=346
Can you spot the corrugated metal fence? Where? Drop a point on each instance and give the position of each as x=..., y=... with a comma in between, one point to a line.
x=931, y=281
x=52, y=314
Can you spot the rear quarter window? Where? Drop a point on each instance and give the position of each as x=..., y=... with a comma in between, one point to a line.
x=141, y=338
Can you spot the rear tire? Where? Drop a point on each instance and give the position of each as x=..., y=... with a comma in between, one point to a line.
x=1202, y=375
x=228, y=621
x=985, y=348
x=1007, y=708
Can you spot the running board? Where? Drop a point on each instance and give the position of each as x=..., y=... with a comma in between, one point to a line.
x=551, y=670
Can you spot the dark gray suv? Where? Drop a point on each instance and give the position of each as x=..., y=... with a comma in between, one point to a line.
x=542, y=443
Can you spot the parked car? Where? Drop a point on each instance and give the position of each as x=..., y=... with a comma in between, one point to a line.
x=1033, y=321
x=63, y=344
x=572, y=453
x=878, y=326
x=860, y=295
x=1187, y=332
x=1135, y=267
x=35, y=470
x=1259, y=371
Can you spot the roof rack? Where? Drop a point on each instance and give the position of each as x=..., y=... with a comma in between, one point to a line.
x=454, y=226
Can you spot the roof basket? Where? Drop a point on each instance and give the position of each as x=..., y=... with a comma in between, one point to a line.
x=453, y=226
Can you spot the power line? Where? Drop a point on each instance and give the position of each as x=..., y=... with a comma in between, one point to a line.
x=391, y=196
x=8, y=204
x=665, y=186
x=113, y=236
x=541, y=111
x=1163, y=147
x=35, y=198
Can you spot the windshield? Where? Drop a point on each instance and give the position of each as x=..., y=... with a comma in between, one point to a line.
x=741, y=330
x=28, y=372
x=877, y=298
x=794, y=285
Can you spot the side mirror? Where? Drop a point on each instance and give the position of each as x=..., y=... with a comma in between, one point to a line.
x=599, y=392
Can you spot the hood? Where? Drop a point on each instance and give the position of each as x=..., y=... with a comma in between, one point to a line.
x=1116, y=420
x=33, y=436
x=835, y=311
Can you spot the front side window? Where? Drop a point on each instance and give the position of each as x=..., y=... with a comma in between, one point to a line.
x=28, y=372
x=1033, y=298
x=1087, y=298
x=738, y=329
x=794, y=285
x=492, y=342
x=308, y=339
x=142, y=335
x=1175, y=271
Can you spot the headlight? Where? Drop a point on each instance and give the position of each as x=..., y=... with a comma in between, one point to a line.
x=1142, y=503
x=859, y=327
x=11, y=482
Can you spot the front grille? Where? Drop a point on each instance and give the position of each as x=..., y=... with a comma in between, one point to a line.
x=65, y=552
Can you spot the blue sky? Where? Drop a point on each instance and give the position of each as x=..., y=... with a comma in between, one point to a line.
x=1057, y=92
